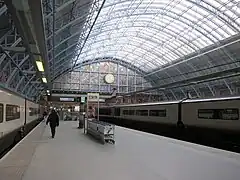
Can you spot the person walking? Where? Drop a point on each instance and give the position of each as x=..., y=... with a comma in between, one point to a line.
x=91, y=112
x=53, y=120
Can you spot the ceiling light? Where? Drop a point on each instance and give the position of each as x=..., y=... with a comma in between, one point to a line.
x=40, y=66
x=44, y=80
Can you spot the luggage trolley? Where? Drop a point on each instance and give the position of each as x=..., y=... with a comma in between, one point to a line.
x=108, y=134
x=99, y=129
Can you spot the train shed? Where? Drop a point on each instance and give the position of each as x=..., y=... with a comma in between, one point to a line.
x=54, y=53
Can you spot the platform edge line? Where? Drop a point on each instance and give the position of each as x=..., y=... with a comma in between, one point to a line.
x=5, y=156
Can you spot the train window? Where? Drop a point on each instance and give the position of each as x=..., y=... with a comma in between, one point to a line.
x=223, y=114
x=142, y=112
x=206, y=113
x=1, y=113
x=159, y=113
x=125, y=112
x=105, y=111
x=117, y=111
x=229, y=114
x=33, y=111
x=131, y=112
x=12, y=112
x=128, y=112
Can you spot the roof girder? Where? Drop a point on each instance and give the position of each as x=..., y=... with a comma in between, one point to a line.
x=196, y=55
x=174, y=17
x=106, y=59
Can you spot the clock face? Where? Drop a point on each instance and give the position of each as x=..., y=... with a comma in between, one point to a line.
x=109, y=78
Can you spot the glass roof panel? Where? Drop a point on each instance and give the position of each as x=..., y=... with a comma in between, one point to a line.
x=151, y=33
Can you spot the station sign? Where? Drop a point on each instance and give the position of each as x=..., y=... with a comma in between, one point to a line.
x=93, y=97
x=67, y=99
x=83, y=99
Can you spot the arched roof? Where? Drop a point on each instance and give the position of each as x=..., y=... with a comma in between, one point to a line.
x=149, y=36
x=99, y=60
x=152, y=33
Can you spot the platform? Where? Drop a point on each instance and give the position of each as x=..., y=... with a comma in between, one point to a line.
x=135, y=156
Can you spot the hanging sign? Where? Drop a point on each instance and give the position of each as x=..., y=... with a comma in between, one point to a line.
x=83, y=99
x=93, y=97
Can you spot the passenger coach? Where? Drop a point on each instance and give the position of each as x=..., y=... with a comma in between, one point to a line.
x=216, y=119
x=17, y=116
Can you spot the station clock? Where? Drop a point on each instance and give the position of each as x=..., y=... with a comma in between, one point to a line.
x=109, y=78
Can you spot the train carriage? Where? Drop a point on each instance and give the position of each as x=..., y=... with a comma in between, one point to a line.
x=207, y=121
x=160, y=112
x=17, y=117
x=13, y=112
x=217, y=113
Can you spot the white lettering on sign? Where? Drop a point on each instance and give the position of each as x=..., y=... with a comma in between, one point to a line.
x=67, y=99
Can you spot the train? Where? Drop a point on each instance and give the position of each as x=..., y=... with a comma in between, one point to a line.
x=17, y=117
x=203, y=120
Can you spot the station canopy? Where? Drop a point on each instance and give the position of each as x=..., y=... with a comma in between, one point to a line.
x=153, y=33
x=167, y=47
x=179, y=45
x=169, y=42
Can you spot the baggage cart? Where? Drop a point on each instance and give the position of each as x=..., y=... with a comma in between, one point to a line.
x=101, y=130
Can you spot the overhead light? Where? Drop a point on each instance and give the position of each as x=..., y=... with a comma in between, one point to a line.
x=44, y=80
x=48, y=91
x=40, y=66
x=193, y=82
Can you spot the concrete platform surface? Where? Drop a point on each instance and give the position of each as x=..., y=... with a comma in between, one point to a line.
x=135, y=156
x=16, y=161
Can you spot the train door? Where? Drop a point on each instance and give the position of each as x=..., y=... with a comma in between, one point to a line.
x=116, y=111
x=180, y=123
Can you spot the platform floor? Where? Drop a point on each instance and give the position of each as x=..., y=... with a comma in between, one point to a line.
x=135, y=156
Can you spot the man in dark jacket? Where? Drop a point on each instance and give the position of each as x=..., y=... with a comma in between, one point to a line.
x=53, y=119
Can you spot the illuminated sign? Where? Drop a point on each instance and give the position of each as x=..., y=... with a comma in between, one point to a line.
x=67, y=99
x=83, y=99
